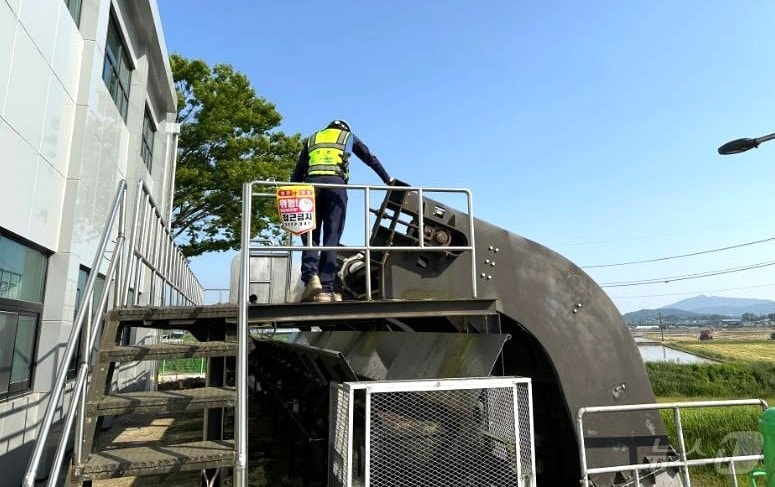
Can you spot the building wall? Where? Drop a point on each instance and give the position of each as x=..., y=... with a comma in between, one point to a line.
x=64, y=147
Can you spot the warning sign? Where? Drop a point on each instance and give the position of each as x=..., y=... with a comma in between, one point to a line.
x=296, y=205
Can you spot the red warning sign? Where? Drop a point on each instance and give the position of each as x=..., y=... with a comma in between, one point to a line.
x=296, y=205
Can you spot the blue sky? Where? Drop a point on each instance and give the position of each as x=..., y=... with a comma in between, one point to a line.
x=589, y=127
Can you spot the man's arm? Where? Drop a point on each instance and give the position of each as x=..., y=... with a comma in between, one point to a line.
x=364, y=154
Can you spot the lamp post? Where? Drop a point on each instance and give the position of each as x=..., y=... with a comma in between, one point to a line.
x=741, y=145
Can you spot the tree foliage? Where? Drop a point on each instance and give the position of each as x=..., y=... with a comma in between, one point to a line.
x=227, y=138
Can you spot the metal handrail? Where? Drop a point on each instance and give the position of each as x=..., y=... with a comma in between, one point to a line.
x=367, y=248
x=240, y=427
x=683, y=463
x=151, y=249
x=116, y=215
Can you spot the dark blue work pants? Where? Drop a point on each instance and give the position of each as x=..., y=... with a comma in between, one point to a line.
x=330, y=214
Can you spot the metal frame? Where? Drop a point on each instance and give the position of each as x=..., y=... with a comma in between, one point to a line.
x=368, y=249
x=371, y=387
x=151, y=248
x=683, y=463
x=240, y=427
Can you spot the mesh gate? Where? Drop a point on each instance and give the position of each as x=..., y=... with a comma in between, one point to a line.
x=450, y=432
x=340, y=440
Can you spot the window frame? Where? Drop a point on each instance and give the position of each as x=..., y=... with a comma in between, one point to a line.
x=146, y=147
x=33, y=309
x=117, y=67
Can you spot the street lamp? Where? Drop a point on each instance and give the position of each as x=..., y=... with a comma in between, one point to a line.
x=741, y=145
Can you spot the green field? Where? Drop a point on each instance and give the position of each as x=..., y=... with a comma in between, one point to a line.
x=746, y=370
x=749, y=351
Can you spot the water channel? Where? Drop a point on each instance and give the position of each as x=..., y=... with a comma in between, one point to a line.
x=651, y=351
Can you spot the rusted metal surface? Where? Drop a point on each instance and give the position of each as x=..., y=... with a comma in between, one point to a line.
x=383, y=355
x=161, y=351
x=160, y=455
x=165, y=401
x=158, y=459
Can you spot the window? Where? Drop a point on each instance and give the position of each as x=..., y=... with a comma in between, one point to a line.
x=22, y=277
x=117, y=72
x=74, y=6
x=149, y=132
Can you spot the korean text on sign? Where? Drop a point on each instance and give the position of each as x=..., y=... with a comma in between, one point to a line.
x=296, y=205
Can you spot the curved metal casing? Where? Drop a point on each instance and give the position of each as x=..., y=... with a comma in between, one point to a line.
x=567, y=336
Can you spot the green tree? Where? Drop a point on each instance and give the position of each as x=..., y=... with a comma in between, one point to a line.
x=228, y=137
x=748, y=317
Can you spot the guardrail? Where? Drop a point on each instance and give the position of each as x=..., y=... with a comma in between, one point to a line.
x=683, y=463
x=171, y=282
x=152, y=250
x=83, y=327
x=240, y=469
x=215, y=295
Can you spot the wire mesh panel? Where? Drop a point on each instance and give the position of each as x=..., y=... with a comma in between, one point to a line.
x=340, y=427
x=525, y=432
x=451, y=432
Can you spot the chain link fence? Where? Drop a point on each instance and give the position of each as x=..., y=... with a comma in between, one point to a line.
x=461, y=432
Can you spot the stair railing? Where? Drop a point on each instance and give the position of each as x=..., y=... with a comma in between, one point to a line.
x=81, y=328
x=152, y=250
x=171, y=281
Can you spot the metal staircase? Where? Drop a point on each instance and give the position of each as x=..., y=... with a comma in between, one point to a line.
x=214, y=327
x=148, y=285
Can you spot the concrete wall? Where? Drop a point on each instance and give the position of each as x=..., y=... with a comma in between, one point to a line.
x=63, y=149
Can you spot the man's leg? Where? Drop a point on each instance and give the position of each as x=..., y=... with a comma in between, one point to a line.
x=335, y=204
x=309, y=258
x=309, y=267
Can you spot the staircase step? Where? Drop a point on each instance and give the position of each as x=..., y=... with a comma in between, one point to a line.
x=174, y=316
x=145, y=402
x=170, y=350
x=158, y=459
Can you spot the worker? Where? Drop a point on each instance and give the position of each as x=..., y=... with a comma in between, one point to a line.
x=324, y=159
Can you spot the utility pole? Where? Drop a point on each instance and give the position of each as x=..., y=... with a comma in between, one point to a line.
x=662, y=330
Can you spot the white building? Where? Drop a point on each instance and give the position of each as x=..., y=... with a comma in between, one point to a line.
x=86, y=100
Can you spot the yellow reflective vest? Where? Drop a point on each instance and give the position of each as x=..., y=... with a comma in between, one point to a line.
x=328, y=153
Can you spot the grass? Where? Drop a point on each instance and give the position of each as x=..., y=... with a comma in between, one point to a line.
x=716, y=432
x=746, y=371
x=723, y=380
x=183, y=365
x=749, y=351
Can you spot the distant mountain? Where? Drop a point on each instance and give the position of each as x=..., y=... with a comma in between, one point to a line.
x=669, y=315
x=708, y=305
x=701, y=308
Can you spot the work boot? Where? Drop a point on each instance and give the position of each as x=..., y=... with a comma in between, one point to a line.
x=311, y=289
x=323, y=297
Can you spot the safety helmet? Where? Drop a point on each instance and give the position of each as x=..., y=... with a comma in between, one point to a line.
x=339, y=124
